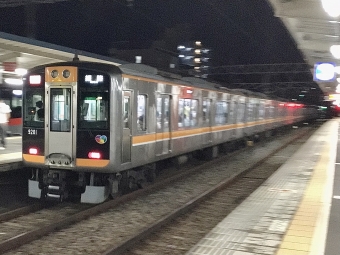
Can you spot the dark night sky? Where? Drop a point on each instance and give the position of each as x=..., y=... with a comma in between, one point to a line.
x=238, y=31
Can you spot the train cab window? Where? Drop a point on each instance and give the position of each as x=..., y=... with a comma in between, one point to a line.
x=93, y=110
x=187, y=112
x=141, y=112
x=30, y=111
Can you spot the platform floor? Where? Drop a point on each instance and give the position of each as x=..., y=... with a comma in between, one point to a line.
x=295, y=212
x=11, y=158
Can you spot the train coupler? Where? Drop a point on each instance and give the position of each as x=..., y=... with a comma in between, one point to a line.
x=54, y=193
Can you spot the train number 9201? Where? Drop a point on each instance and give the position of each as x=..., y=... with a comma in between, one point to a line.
x=32, y=131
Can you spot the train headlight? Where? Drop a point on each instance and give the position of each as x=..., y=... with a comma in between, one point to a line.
x=33, y=151
x=66, y=73
x=94, y=155
x=54, y=74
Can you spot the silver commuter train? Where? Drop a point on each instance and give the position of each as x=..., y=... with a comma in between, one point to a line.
x=104, y=127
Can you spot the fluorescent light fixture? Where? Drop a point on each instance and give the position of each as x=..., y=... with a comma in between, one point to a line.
x=21, y=71
x=332, y=7
x=324, y=71
x=335, y=50
x=17, y=92
x=13, y=81
x=337, y=69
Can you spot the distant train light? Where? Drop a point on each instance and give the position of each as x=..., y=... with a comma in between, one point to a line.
x=94, y=79
x=33, y=151
x=35, y=79
x=94, y=155
x=13, y=81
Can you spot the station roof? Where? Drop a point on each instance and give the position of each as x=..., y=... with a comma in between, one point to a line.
x=22, y=52
x=313, y=30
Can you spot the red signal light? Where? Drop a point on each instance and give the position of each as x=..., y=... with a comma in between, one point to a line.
x=33, y=151
x=94, y=155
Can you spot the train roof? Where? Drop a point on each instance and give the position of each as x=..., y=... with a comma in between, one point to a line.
x=149, y=72
x=153, y=73
x=83, y=64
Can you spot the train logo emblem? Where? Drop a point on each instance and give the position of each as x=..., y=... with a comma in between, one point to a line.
x=101, y=139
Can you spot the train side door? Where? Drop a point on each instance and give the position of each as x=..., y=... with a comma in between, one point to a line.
x=126, y=139
x=163, y=124
x=61, y=134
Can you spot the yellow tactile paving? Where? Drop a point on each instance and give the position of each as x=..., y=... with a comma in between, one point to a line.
x=292, y=252
x=299, y=236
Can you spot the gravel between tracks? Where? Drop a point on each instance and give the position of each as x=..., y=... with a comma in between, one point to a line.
x=98, y=233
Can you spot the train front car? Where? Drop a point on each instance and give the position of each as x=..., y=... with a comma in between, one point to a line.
x=66, y=131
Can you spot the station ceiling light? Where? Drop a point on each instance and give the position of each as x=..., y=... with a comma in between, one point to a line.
x=332, y=7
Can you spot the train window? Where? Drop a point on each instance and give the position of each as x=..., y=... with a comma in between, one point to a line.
x=193, y=112
x=261, y=110
x=241, y=112
x=141, y=112
x=206, y=110
x=13, y=98
x=126, y=110
x=187, y=112
x=232, y=112
x=93, y=110
x=221, y=116
x=30, y=110
x=60, y=110
x=163, y=113
x=159, y=112
x=250, y=111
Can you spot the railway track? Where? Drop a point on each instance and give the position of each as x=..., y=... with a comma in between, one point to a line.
x=112, y=227
x=10, y=214
x=179, y=231
x=28, y=223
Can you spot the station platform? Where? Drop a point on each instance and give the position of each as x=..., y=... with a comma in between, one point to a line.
x=11, y=158
x=295, y=212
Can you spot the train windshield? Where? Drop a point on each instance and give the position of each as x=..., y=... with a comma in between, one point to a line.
x=93, y=100
x=93, y=110
x=33, y=114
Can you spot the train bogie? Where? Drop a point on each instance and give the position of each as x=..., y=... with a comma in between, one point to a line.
x=104, y=127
